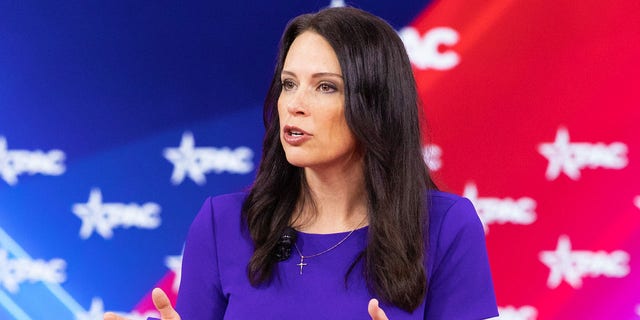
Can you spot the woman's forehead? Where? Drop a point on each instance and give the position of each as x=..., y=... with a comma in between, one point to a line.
x=311, y=53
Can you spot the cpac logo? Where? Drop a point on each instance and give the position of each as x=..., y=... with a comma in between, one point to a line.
x=572, y=266
x=424, y=51
x=513, y=313
x=13, y=272
x=432, y=154
x=103, y=217
x=196, y=162
x=570, y=158
x=16, y=162
x=495, y=210
x=96, y=311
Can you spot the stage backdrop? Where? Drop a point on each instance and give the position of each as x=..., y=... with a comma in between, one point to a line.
x=118, y=119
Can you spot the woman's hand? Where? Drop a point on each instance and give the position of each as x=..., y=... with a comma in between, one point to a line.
x=162, y=303
x=375, y=311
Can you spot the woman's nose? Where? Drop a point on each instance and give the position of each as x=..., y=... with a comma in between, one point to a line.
x=298, y=103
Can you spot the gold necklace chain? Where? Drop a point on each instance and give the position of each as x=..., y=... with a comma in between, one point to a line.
x=302, y=257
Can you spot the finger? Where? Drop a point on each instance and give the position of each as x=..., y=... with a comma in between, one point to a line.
x=112, y=316
x=375, y=311
x=162, y=303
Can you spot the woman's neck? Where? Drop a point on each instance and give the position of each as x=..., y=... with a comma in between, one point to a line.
x=338, y=201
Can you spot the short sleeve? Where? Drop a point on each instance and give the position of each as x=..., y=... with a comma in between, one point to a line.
x=461, y=286
x=200, y=295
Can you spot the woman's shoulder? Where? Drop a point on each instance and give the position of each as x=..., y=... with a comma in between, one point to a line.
x=223, y=208
x=442, y=200
x=236, y=198
x=457, y=251
x=448, y=207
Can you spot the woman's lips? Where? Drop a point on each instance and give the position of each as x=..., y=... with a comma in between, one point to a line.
x=295, y=136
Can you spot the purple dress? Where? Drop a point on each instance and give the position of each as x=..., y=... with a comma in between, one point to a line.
x=214, y=283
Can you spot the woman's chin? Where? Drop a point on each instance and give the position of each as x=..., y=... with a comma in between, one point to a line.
x=296, y=161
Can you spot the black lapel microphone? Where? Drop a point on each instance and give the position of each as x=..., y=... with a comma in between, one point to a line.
x=288, y=238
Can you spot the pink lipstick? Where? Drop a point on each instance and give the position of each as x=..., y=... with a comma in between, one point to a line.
x=295, y=136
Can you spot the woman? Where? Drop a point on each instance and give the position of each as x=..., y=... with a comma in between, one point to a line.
x=341, y=165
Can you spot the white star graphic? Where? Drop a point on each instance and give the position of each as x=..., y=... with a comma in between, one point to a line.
x=638, y=310
x=561, y=265
x=560, y=156
x=175, y=264
x=185, y=161
x=337, y=3
x=432, y=155
x=93, y=214
x=95, y=312
x=6, y=170
x=636, y=201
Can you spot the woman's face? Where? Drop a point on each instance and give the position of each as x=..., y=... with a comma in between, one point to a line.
x=313, y=128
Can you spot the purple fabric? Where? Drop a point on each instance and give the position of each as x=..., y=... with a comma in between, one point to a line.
x=215, y=286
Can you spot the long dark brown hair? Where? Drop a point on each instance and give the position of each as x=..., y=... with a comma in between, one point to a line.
x=382, y=111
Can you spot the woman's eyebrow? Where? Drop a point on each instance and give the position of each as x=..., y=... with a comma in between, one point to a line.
x=315, y=75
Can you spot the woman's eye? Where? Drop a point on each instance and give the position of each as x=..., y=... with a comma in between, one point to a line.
x=288, y=85
x=326, y=87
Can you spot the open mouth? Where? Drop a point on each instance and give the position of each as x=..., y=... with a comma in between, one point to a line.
x=294, y=132
x=295, y=136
